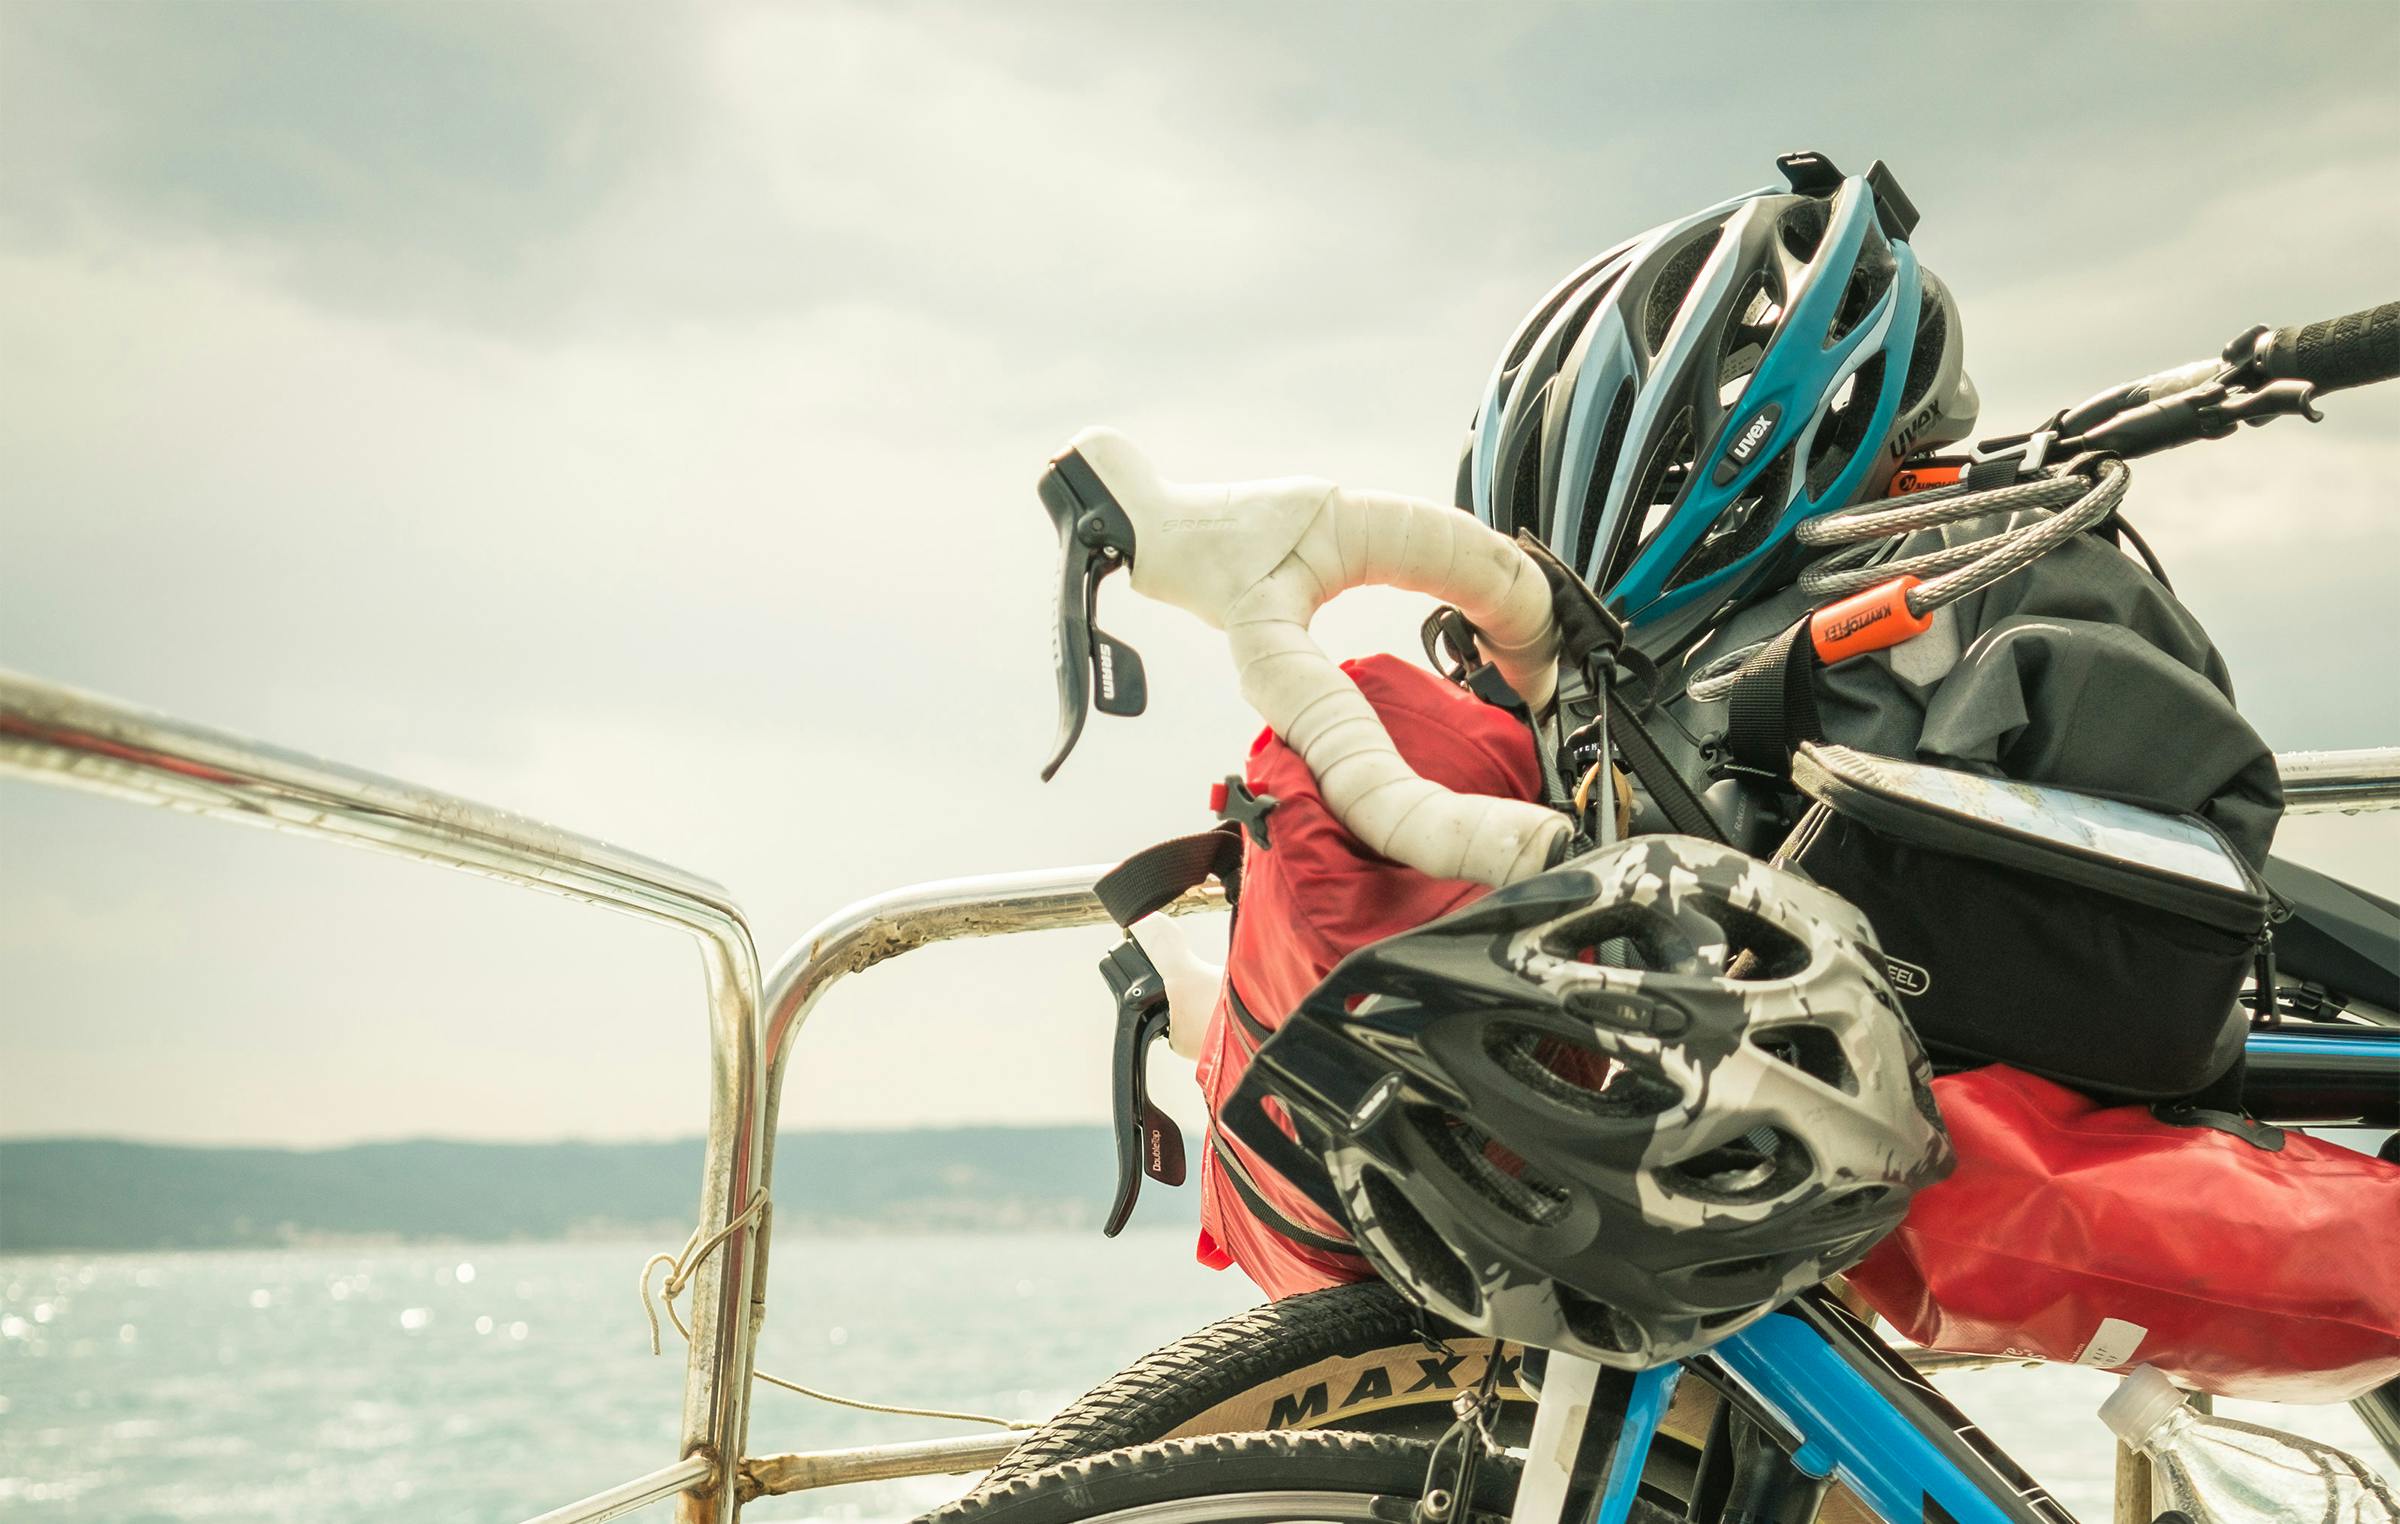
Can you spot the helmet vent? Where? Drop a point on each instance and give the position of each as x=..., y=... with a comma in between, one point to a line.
x=1655, y=488
x=1757, y=311
x=1596, y=1324
x=1744, y=524
x=1813, y=1051
x=1607, y=267
x=1803, y=228
x=1521, y=504
x=1604, y=471
x=1757, y=1167
x=1675, y=283
x=1925, y=360
x=1755, y=947
x=1426, y=1259
x=1843, y=428
x=1578, y=1078
x=1500, y=1177
x=1623, y=936
x=1734, y=1269
x=1870, y=280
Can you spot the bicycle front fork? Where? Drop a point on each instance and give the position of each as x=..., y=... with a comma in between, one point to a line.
x=1744, y=1477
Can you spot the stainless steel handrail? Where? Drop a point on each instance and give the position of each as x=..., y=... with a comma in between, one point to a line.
x=2345, y=782
x=871, y=931
x=690, y=1472
x=53, y=734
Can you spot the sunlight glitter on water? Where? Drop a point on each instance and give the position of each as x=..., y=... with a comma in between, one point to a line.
x=329, y=1404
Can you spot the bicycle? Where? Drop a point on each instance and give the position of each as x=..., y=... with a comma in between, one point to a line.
x=1805, y=1415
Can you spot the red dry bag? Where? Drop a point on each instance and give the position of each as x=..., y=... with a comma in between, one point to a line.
x=2104, y=1236
x=1311, y=893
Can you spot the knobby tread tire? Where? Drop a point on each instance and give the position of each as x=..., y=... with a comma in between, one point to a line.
x=1226, y=1467
x=1181, y=1380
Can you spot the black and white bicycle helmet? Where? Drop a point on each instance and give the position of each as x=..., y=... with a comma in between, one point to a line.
x=1670, y=412
x=1621, y=1108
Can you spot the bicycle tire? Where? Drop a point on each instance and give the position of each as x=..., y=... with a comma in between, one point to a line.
x=1318, y=1363
x=1321, y=1477
x=1357, y=1359
x=1246, y=1372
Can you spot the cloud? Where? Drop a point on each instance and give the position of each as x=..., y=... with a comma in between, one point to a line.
x=378, y=157
x=628, y=415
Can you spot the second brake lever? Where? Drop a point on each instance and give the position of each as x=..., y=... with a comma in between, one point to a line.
x=1148, y=1141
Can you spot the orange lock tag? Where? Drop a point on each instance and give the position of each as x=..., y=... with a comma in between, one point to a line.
x=1921, y=478
x=1872, y=620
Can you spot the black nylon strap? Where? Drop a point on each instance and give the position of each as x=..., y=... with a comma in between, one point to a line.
x=1237, y=1176
x=1585, y=624
x=1153, y=878
x=1667, y=787
x=1773, y=705
x=1591, y=639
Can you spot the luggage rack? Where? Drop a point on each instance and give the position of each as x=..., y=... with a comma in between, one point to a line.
x=57, y=735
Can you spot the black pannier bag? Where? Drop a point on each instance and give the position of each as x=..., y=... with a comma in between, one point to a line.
x=2098, y=943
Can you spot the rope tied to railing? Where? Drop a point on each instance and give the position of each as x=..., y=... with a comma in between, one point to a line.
x=683, y=1265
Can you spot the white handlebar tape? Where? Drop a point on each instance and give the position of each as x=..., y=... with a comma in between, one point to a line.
x=1258, y=559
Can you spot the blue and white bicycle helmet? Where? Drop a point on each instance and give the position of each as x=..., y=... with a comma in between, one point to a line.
x=1670, y=412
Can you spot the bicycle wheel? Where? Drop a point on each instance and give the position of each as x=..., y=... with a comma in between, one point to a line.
x=1292, y=1478
x=1357, y=1359
x=1354, y=1359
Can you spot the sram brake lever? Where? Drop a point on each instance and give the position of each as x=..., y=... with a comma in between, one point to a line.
x=1094, y=539
x=1148, y=1141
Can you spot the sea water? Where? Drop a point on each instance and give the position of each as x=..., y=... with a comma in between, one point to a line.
x=494, y=1382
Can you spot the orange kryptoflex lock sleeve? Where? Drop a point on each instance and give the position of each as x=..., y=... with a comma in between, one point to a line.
x=1871, y=620
x=1924, y=478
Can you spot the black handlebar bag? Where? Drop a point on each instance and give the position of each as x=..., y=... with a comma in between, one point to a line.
x=2099, y=943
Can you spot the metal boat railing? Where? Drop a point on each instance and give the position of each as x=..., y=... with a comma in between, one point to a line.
x=56, y=735
x=51, y=734
x=2355, y=782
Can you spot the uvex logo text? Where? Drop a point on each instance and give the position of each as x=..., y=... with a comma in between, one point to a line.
x=1751, y=436
x=1745, y=446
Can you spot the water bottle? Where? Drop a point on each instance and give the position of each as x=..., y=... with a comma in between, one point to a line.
x=2221, y=1471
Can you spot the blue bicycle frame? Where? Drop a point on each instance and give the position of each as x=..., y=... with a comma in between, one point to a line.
x=1842, y=1407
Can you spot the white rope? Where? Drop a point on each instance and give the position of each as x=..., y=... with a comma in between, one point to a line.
x=682, y=1266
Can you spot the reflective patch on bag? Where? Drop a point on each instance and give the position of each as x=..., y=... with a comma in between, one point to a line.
x=2114, y=1344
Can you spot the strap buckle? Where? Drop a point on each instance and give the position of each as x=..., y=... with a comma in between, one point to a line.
x=1234, y=803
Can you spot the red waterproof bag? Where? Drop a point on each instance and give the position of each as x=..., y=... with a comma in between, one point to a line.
x=2103, y=1236
x=1310, y=896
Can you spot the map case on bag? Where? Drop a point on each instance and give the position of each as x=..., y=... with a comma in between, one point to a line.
x=2097, y=942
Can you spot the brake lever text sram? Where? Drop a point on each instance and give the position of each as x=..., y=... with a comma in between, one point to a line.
x=1148, y=1141
x=1094, y=538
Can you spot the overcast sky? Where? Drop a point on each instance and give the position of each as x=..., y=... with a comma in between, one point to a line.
x=628, y=416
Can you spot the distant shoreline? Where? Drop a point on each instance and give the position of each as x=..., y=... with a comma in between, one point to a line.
x=100, y=1196
x=633, y=1243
